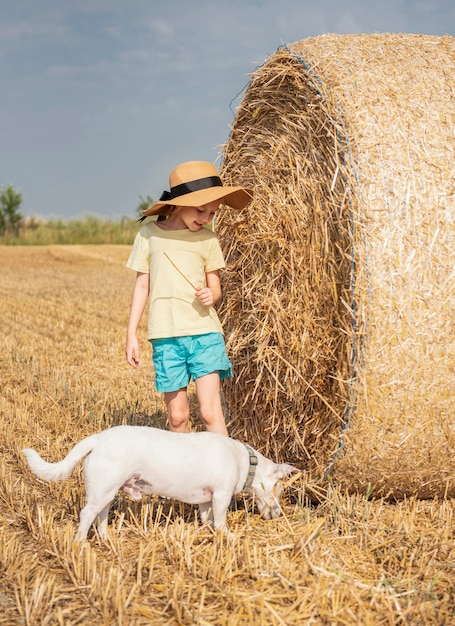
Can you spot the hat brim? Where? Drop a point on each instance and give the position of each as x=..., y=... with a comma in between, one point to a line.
x=235, y=197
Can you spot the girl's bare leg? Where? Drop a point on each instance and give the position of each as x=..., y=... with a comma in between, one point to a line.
x=208, y=392
x=178, y=410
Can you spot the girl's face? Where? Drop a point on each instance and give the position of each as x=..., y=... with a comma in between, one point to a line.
x=194, y=218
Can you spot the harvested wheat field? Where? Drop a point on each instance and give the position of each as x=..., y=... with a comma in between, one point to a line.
x=339, y=297
x=348, y=560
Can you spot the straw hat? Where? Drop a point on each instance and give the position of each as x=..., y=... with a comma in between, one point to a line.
x=195, y=183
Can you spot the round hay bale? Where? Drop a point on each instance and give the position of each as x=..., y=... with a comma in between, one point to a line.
x=339, y=294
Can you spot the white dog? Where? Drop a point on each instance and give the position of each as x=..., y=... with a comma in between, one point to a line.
x=197, y=468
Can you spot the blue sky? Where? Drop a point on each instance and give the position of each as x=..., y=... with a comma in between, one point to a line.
x=100, y=99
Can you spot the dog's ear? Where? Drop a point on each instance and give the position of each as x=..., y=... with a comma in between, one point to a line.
x=284, y=469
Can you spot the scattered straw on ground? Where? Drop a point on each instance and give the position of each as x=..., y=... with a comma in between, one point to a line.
x=63, y=376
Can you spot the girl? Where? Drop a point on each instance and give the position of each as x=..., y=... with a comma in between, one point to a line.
x=177, y=262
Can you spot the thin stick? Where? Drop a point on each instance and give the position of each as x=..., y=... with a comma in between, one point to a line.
x=179, y=271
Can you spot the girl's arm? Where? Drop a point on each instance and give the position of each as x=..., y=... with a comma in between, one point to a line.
x=211, y=294
x=140, y=295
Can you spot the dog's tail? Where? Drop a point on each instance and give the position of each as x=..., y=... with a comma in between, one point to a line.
x=62, y=469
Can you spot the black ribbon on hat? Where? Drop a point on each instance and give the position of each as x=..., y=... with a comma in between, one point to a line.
x=185, y=188
x=190, y=187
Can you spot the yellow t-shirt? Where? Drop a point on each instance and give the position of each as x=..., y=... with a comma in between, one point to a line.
x=174, y=310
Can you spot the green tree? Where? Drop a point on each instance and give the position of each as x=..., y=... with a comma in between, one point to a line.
x=145, y=203
x=10, y=217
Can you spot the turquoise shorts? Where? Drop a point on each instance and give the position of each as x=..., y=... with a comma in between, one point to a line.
x=178, y=360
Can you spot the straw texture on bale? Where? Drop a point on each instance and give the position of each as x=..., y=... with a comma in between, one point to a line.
x=339, y=295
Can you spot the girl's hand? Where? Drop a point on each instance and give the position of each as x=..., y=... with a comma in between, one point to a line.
x=205, y=296
x=132, y=352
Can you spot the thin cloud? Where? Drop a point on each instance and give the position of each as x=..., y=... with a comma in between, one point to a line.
x=121, y=90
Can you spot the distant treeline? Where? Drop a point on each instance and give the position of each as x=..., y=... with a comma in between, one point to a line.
x=15, y=229
x=87, y=230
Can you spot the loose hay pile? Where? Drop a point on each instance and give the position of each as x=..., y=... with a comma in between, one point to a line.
x=339, y=295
